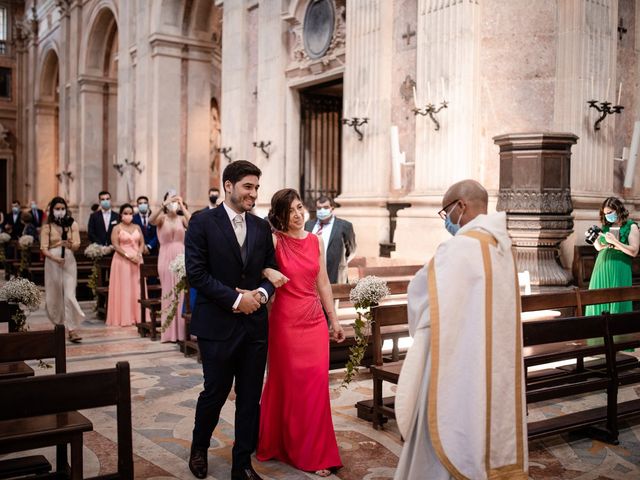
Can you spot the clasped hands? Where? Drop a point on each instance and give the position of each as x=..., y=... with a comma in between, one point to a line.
x=250, y=301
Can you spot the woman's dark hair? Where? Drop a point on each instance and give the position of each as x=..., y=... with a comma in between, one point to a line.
x=236, y=171
x=614, y=203
x=124, y=206
x=54, y=201
x=280, y=208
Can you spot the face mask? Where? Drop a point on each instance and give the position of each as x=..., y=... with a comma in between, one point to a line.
x=323, y=213
x=105, y=204
x=15, y=209
x=34, y=206
x=143, y=207
x=213, y=199
x=59, y=214
x=611, y=217
x=451, y=227
x=127, y=218
x=173, y=206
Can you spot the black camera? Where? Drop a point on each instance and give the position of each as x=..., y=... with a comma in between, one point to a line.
x=592, y=234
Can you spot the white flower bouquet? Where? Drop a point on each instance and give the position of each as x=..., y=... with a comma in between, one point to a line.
x=26, y=294
x=177, y=267
x=25, y=241
x=179, y=270
x=93, y=251
x=5, y=238
x=368, y=292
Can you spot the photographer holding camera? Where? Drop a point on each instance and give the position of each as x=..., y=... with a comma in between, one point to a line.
x=60, y=270
x=618, y=243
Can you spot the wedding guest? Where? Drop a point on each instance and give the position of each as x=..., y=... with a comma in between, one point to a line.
x=38, y=214
x=148, y=230
x=13, y=223
x=102, y=221
x=29, y=227
x=124, y=277
x=295, y=412
x=171, y=221
x=59, y=238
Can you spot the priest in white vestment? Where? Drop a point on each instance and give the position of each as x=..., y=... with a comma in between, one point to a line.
x=460, y=398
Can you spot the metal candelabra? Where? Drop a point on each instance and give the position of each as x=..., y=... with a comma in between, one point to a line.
x=431, y=110
x=356, y=123
x=605, y=108
x=262, y=145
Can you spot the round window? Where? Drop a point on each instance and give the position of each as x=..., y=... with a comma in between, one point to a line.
x=319, y=20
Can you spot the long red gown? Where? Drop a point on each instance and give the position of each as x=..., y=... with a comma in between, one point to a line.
x=295, y=412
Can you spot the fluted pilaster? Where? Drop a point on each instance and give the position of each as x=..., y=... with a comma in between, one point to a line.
x=447, y=69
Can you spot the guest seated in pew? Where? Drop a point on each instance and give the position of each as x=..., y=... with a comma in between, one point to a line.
x=29, y=227
x=59, y=238
x=460, y=397
x=124, y=277
x=617, y=246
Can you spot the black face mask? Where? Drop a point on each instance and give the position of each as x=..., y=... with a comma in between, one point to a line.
x=213, y=199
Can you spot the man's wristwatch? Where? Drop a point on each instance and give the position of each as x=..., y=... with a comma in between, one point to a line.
x=263, y=298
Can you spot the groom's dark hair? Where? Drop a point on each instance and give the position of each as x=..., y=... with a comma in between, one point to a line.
x=236, y=171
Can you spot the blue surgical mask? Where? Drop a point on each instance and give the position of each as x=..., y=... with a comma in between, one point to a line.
x=143, y=207
x=105, y=204
x=323, y=213
x=451, y=227
x=611, y=217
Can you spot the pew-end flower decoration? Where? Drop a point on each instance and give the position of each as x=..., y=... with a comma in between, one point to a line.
x=94, y=252
x=24, y=243
x=26, y=294
x=179, y=270
x=4, y=239
x=367, y=293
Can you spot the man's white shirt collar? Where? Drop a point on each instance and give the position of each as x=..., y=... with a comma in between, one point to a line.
x=232, y=214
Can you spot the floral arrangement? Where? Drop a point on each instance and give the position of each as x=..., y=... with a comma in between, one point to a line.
x=179, y=270
x=24, y=242
x=95, y=252
x=368, y=292
x=4, y=238
x=26, y=294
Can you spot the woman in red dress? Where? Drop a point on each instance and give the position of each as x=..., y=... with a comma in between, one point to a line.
x=295, y=412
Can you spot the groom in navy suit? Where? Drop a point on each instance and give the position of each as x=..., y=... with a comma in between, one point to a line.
x=226, y=250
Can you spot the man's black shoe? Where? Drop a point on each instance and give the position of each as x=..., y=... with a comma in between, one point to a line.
x=198, y=463
x=246, y=473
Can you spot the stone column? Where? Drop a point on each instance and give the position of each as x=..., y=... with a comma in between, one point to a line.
x=448, y=68
x=587, y=41
x=272, y=56
x=367, y=93
x=235, y=90
x=535, y=191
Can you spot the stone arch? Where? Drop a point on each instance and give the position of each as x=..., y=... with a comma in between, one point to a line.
x=47, y=127
x=98, y=97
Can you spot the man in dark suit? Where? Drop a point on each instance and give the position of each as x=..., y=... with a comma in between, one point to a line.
x=226, y=250
x=13, y=222
x=37, y=214
x=339, y=239
x=102, y=221
x=148, y=230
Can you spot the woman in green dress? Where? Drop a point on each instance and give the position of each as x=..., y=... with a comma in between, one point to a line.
x=613, y=264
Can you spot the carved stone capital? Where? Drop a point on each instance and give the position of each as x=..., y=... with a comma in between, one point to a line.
x=523, y=201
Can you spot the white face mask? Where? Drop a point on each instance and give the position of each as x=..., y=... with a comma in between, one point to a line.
x=58, y=214
x=173, y=206
x=323, y=213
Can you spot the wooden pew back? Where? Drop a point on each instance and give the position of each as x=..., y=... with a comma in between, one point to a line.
x=386, y=316
x=389, y=271
x=23, y=398
x=20, y=346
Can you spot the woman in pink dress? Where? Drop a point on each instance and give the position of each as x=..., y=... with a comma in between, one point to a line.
x=124, y=279
x=172, y=220
x=295, y=412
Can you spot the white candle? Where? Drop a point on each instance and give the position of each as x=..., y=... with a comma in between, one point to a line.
x=591, y=93
x=619, y=93
x=606, y=95
x=442, y=83
x=415, y=97
x=428, y=92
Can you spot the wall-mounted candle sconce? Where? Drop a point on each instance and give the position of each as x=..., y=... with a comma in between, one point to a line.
x=136, y=165
x=225, y=152
x=263, y=146
x=64, y=175
x=119, y=167
x=605, y=108
x=356, y=123
x=431, y=110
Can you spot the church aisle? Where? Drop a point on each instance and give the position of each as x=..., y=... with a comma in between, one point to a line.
x=165, y=385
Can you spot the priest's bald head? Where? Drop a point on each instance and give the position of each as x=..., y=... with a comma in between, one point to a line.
x=463, y=202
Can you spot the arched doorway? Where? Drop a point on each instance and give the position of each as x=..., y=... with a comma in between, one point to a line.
x=99, y=101
x=47, y=121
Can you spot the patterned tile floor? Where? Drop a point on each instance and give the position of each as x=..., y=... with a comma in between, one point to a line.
x=165, y=386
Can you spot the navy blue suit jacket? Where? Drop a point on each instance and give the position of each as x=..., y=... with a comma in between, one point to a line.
x=150, y=232
x=96, y=231
x=215, y=269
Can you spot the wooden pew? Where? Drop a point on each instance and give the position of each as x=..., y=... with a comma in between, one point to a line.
x=151, y=303
x=385, y=317
x=27, y=422
x=102, y=286
x=189, y=346
x=397, y=272
x=20, y=346
x=584, y=259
